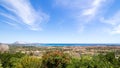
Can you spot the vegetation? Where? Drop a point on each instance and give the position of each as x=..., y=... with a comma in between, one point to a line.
x=0, y=65
x=8, y=59
x=99, y=61
x=58, y=59
x=55, y=59
x=28, y=62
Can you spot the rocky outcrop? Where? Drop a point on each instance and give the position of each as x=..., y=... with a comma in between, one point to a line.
x=4, y=47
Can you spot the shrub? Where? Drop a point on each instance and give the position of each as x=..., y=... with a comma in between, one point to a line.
x=55, y=59
x=28, y=62
x=86, y=61
x=75, y=63
x=7, y=59
x=0, y=65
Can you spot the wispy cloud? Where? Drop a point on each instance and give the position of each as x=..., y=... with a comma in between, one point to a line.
x=93, y=9
x=12, y=24
x=82, y=11
x=24, y=13
x=114, y=21
x=9, y=16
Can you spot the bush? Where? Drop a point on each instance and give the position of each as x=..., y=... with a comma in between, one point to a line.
x=0, y=65
x=28, y=62
x=55, y=59
x=75, y=63
x=58, y=59
x=87, y=61
x=6, y=59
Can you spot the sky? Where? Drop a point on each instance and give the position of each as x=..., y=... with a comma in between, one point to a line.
x=60, y=21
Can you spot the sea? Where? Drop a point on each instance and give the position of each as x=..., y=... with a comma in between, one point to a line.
x=69, y=44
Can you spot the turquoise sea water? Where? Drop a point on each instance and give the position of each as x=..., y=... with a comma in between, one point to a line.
x=58, y=44
x=76, y=44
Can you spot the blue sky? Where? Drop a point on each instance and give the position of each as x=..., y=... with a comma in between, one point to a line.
x=60, y=21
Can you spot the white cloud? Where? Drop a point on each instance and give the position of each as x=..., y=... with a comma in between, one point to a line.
x=82, y=11
x=24, y=11
x=12, y=24
x=9, y=16
x=114, y=21
x=92, y=11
